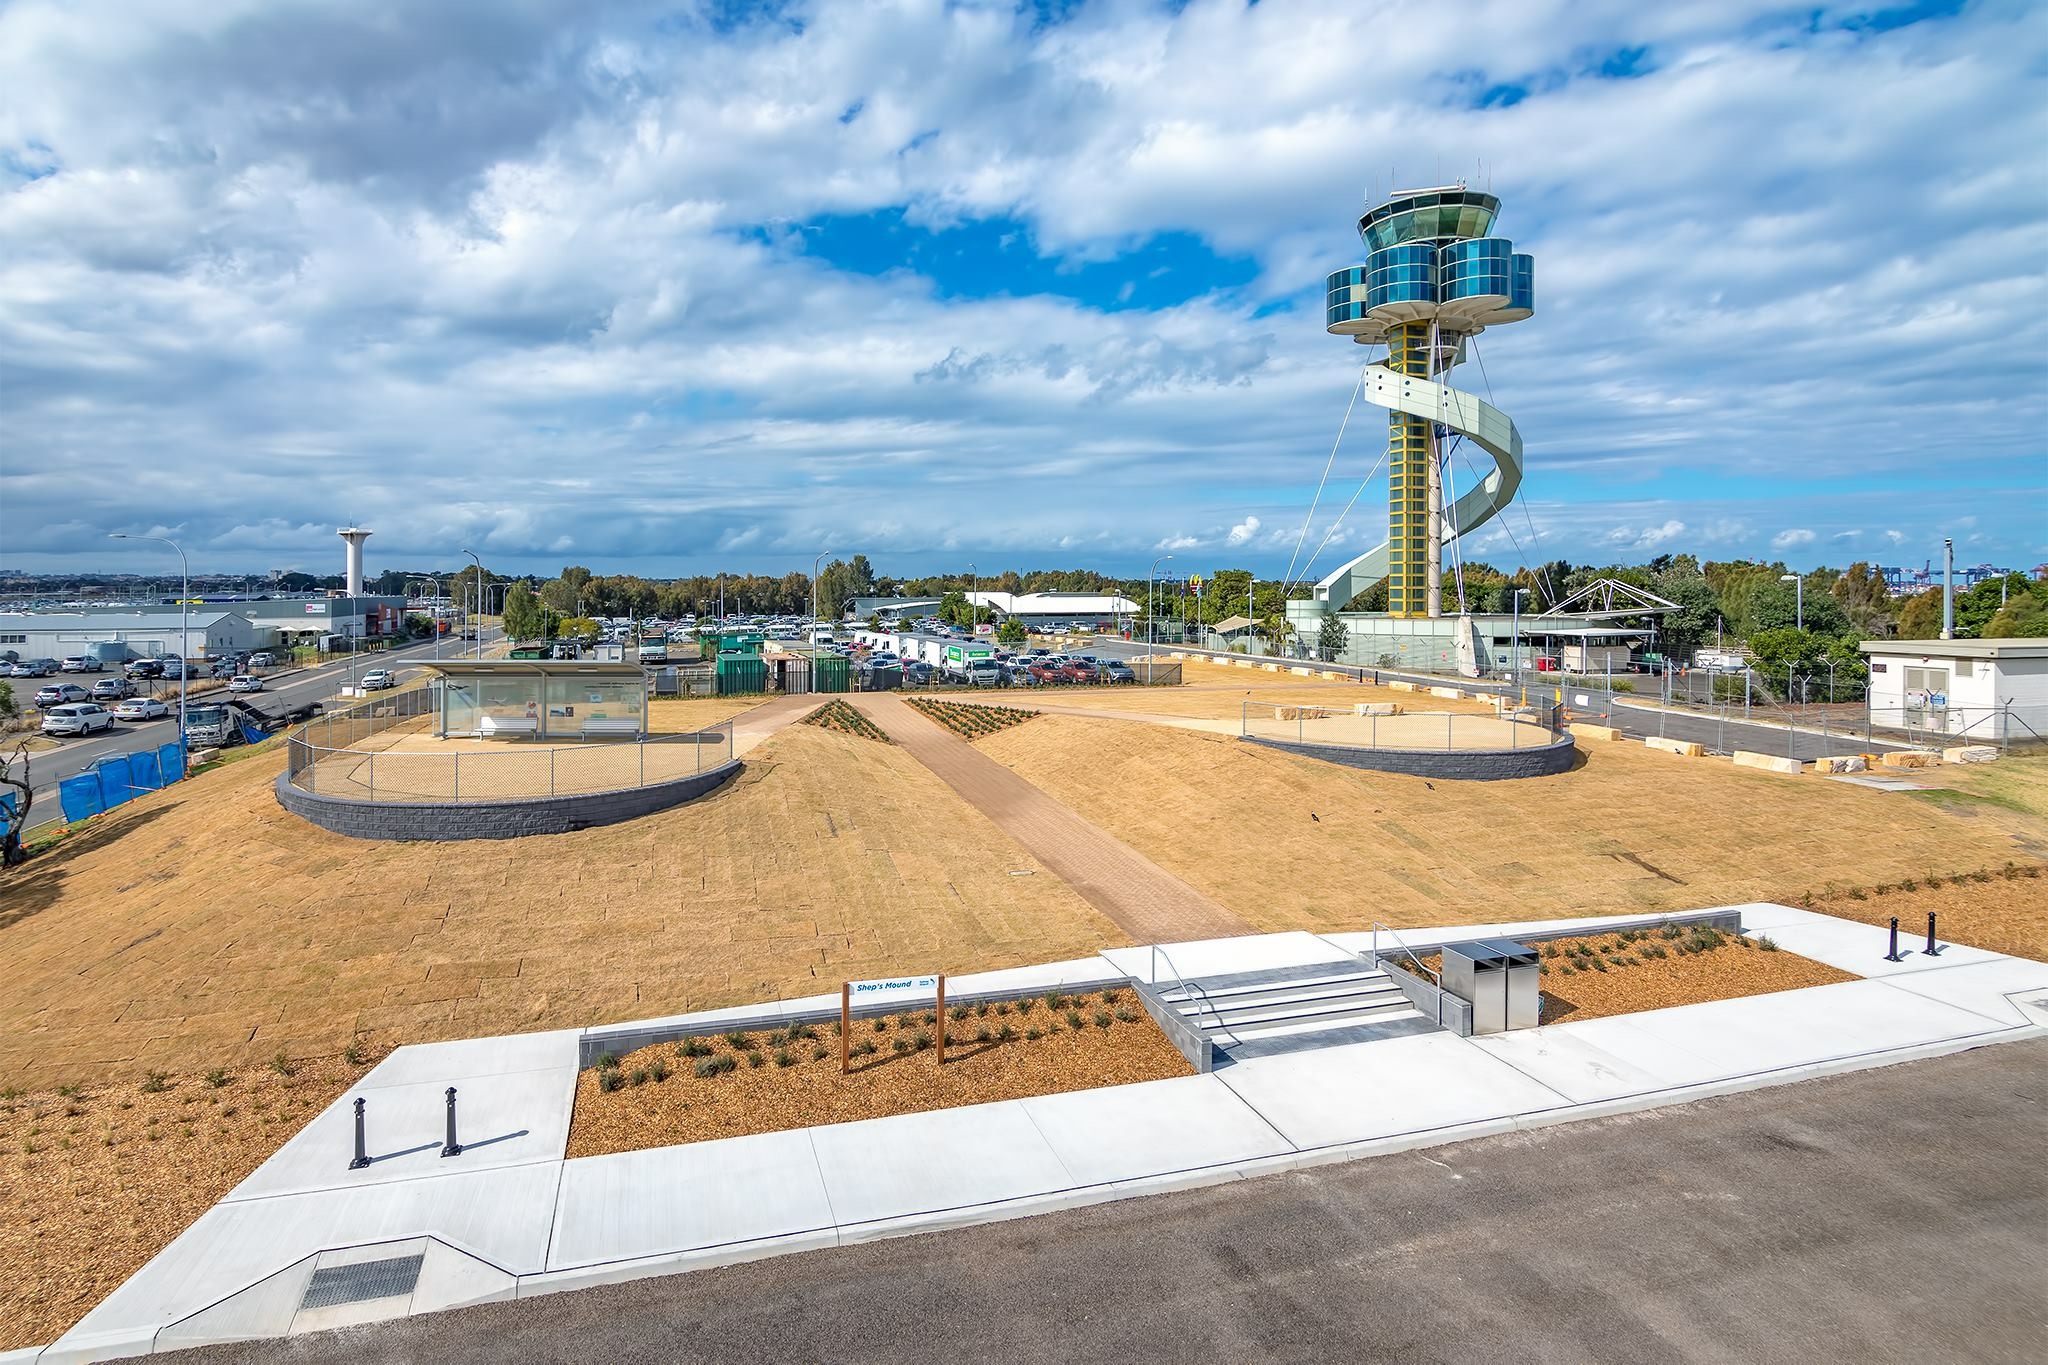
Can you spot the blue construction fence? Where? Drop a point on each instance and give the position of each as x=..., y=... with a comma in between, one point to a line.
x=110, y=781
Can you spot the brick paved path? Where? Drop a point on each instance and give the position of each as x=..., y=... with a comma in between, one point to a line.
x=1147, y=902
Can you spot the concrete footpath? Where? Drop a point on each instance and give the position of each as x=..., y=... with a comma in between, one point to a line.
x=305, y=1243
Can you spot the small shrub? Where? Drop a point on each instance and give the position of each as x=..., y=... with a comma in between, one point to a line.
x=1005, y=1033
x=902, y=1045
x=738, y=1041
x=982, y=1035
x=1055, y=1001
x=1672, y=931
x=70, y=1092
x=1550, y=950
x=819, y=1054
x=1599, y=965
x=639, y=1076
x=981, y=1010
x=1027, y=1004
x=1110, y=997
x=866, y=1047
x=282, y=1065
x=657, y=1072
x=784, y=1057
x=1033, y=1035
x=881, y=1025
x=1767, y=944
x=1126, y=1015
x=922, y=1041
x=1566, y=969
x=1856, y=893
x=156, y=1082
x=1102, y=1018
x=1003, y=1008
x=216, y=1078
x=607, y=1061
x=608, y=1081
x=709, y=1067
x=755, y=1059
x=1073, y=1019
x=354, y=1054
x=693, y=1047
x=957, y=1013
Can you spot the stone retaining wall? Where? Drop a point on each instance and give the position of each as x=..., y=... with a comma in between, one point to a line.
x=448, y=820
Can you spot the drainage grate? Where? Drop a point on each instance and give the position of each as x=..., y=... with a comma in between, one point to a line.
x=365, y=1280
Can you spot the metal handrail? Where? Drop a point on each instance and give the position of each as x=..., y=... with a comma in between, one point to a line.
x=1435, y=978
x=1190, y=990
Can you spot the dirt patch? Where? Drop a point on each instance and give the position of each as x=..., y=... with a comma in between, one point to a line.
x=828, y=859
x=791, y=1079
x=1598, y=975
x=1288, y=842
x=2003, y=910
x=842, y=719
x=968, y=720
x=94, y=1183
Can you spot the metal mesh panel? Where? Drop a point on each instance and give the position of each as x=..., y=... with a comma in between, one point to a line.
x=363, y=1281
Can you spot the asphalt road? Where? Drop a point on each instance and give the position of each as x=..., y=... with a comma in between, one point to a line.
x=1721, y=733
x=1890, y=1215
x=73, y=756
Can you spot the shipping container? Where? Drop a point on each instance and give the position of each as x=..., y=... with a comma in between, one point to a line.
x=831, y=674
x=741, y=674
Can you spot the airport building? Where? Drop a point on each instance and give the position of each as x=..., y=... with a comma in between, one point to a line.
x=113, y=636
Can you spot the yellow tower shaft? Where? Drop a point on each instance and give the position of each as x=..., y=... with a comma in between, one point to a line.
x=1408, y=347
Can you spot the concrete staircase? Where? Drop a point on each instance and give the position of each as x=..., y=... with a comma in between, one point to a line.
x=1261, y=1013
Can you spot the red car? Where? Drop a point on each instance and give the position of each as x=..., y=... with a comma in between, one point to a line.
x=1076, y=673
x=1046, y=673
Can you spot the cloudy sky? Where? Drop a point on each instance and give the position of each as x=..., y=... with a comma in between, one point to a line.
x=670, y=287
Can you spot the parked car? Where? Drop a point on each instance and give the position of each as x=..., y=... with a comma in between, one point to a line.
x=1116, y=671
x=33, y=668
x=57, y=694
x=79, y=718
x=143, y=668
x=112, y=689
x=245, y=682
x=170, y=666
x=141, y=708
x=377, y=679
x=262, y=659
x=80, y=663
x=1046, y=673
x=1076, y=671
x=1017, y=673
x=918, y=671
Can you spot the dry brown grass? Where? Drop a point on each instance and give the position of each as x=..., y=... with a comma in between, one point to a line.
x=1986, y=909
x=204, y=926
x=1222, y=693
x=767, y=1097
x=1630, y=831
x=95, y=1183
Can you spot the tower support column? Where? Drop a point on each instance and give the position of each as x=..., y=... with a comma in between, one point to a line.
x=1409, y=526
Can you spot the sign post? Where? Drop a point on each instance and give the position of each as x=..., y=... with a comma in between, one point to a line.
x=888, y=989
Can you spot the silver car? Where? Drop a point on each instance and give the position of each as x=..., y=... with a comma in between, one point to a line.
x=79, y=718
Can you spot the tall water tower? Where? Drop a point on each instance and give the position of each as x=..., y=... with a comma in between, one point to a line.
x=355, y=536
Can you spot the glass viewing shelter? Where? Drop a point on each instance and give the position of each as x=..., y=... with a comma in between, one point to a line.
x=540, y=699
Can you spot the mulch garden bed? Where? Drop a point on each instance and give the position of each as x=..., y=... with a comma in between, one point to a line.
x=96, y=1179
x=1598, y=975
x=844, y=719
x=2004, y=910
x=971, y=720
x=734, y=1084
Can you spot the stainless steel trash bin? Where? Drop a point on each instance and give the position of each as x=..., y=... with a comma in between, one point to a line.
x=1500, y=977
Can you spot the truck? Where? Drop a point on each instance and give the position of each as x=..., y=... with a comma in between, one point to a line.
x=654, y=648
x=231, y=721
x=970, y=663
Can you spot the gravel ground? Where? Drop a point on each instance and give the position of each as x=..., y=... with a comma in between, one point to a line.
x=1890, y=1215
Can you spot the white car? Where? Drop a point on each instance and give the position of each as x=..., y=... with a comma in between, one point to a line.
x=245, y=682
x=377, y=679
x=79, y=718
x=141, y=708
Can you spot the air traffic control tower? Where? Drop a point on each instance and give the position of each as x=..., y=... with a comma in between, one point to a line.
x=1434, y=277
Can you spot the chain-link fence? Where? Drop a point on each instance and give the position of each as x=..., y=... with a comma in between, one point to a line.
x=367, y=754
x=1379, y=726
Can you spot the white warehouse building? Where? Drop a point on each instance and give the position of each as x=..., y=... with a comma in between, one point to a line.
x=1990, y=690
x=114, y=636
x=1040, y=609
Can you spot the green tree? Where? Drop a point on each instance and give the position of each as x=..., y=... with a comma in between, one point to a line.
x=1332, y=637
x=1976, y=607
x=525, y=617
x=1011, y=632
x=2023, y=617
x=9, y=709
x=1920, y=619
x=1681, y=632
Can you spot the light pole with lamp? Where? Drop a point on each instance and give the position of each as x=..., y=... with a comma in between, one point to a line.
x=1152, y=614
x=973, y=581
x=1798, y=598
x=184, y=621
x=479, y=602
x=1515, y=648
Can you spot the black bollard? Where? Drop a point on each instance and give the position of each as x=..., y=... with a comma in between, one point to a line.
x=451, y=1147
x=362, y=1158
x=1932, y=949
x=1893, y=956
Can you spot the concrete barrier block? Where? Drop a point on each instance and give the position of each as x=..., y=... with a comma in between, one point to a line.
x=1910, y=758
x=1845, y=763
x=1270, y=668
x=1970, y=753
x=200, y=756
x=1377, y=708
x=1303, y=672
x=1684, y=748
x=1397, y=685
x=1594, y=732
x=1448, y=693
x=1770, y=763
x=1334, y=677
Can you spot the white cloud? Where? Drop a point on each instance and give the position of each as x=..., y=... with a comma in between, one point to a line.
x=1788, y=540
x=1242, y=532
x=1182, y=542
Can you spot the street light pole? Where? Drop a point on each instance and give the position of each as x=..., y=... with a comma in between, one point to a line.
x=184, y=621
x=1515, y=648
x=1152, y=611
x=479, y=602
x=1798, y=598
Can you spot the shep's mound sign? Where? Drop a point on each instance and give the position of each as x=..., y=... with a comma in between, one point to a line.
x=889, y=992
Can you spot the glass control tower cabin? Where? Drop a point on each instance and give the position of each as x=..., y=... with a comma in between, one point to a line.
x=1433, y=277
